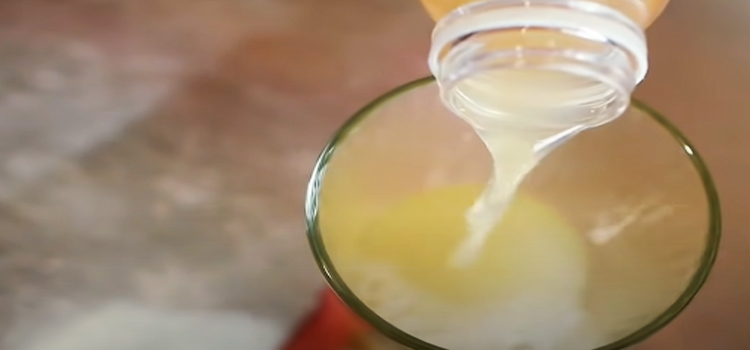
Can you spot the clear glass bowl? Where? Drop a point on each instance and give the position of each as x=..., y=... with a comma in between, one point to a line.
x=636, y=180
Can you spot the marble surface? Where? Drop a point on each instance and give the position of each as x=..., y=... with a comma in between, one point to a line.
x=123, y=122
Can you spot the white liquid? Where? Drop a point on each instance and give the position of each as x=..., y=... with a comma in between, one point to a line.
x=521, y=116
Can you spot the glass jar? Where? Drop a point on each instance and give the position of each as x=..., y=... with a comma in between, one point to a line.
x=637, y=194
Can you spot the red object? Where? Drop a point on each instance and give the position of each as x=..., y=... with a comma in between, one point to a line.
x=332, y=326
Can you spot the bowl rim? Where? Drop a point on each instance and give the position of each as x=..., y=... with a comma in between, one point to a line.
x=337, y=284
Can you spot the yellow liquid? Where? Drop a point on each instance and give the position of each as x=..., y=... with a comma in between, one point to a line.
x=527, y=283
x=531, y=249
x=643, y=11
x=537, y=283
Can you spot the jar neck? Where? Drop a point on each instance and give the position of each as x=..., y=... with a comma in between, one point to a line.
x=584, y=58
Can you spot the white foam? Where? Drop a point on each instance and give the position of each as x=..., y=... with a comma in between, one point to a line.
x=540, y=320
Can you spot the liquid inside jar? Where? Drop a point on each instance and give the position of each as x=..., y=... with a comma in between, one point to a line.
x=585, y=254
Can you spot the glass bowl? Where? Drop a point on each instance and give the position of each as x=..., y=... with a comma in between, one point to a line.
x=637, y=193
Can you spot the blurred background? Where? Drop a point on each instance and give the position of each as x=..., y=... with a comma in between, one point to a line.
x=158, y=150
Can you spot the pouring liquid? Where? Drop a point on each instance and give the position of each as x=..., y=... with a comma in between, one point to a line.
x=521, y=116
